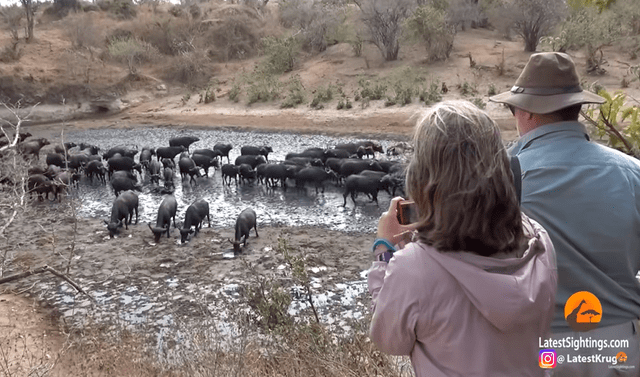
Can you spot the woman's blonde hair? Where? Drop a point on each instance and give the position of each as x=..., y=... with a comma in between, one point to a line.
x=461, y=181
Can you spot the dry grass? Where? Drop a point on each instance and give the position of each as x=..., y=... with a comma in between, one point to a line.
x=299, y=350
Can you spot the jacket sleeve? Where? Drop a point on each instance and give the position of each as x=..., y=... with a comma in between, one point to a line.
x=395, y=307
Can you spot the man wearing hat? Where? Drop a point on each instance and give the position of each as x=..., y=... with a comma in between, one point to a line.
x=587, y=196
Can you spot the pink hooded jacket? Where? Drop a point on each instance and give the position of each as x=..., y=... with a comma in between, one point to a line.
x=462, y=314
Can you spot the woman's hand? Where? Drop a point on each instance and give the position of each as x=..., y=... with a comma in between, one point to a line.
x=389, y=228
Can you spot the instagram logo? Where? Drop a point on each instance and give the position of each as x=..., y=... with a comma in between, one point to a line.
x=547, y=359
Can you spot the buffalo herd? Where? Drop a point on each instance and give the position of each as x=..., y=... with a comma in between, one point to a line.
x=352, y=166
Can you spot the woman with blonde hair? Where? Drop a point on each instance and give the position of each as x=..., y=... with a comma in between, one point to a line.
x=474, y=291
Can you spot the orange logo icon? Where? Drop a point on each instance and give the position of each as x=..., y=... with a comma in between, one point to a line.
x=621, y=357
x=583, y=311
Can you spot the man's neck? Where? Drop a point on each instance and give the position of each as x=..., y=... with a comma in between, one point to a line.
x=528, y=122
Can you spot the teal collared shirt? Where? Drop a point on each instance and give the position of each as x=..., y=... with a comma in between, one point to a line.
x=587, y=196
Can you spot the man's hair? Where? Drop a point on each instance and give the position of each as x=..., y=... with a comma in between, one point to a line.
x=460, y=178
x=568, y=113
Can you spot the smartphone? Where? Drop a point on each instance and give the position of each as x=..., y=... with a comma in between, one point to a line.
x=407, y=212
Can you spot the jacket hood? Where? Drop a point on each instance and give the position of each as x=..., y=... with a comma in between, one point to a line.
x=512, y=291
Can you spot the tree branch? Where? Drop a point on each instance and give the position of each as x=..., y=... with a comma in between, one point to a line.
x=610, y=129
x=41, y=270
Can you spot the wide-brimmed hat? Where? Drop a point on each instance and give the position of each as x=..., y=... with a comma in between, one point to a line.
x=548, y=82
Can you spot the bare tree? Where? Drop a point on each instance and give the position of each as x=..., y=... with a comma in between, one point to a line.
x=384, y=19
x=29, y=10
x=531, y=19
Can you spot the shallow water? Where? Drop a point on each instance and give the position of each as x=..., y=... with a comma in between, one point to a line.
x=171, y=308
x=289, y=207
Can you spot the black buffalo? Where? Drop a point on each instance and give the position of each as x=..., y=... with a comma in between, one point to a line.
x=120, y=184
x=250, y=160
x=229, y=171
x=205, y=162
x=194, y=217
x=169, y=152
x=122, y=209
x=314, y=175
x=369, y=185
x=246, y=220
x=264, y=150
x=184, y=141
x=224, y=149
x=166, y=212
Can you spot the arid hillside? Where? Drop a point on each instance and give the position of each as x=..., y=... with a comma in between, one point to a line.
x=69, y=62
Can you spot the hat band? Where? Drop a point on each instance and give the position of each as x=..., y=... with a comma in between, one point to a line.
x=546, y=91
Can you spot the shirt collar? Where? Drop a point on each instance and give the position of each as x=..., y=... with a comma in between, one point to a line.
x=568, y=126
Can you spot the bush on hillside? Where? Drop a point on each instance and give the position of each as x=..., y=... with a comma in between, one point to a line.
x=592, y=31
x=122, y=9
x=320, y=23
x=10, y=53
x=429, y=24
x=12, y=15
x=172, y=36
x=295, y=93
x=61, y=8
x=373, y=90
x=531, y=19
x=465, y=13
x=281, y=54
x=261, y=86
x=628, y=12
x=235, y=33
x=192, y=69
x=384, y=20
x=132, y=52
x=82, y=31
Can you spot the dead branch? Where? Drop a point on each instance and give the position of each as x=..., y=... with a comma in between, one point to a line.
x=16, y=136
x=15, y=211
x=41, y=270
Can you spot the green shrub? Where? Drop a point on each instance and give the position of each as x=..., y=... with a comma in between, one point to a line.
x=131, y=51
x=428, y=24
x=467, y=89
x=295, y=95
x=372, y=90
x=430, y=93
x=268, y=301
x=492, y=90
x=322, y=95
x=209, y=93
x=262, y=86
x=281, y=54
x=234, y=92
x=600, y=5
x=344, y=103
x=405, y=84
x=616, y=123
x=593, y=31
x=479, y=103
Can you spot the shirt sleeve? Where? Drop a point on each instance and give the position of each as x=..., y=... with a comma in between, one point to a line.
x=394, y=306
